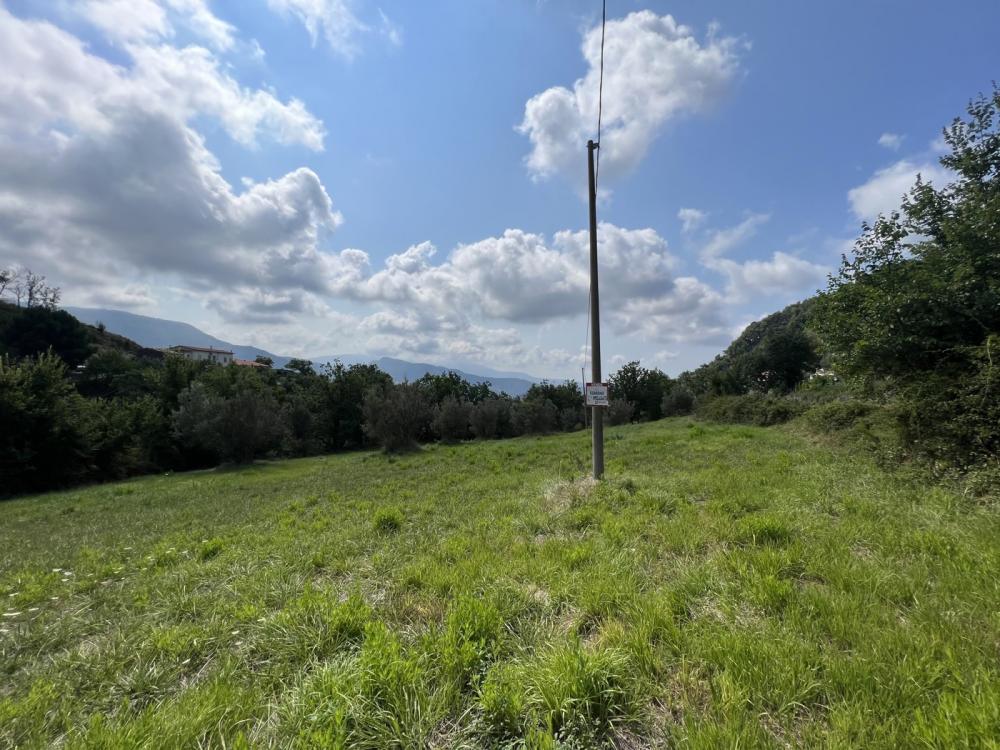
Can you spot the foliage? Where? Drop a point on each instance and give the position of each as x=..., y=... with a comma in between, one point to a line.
x=46, y=432
x=774, y=354
x=677, y=402
x=29, y=331
x=451, y=419
x=641, y=387
x=484, y=418
x=453, y=385
x=917, y=305
x=397, y=416
x=620, y=411
x=751, y=408
x=341, y=399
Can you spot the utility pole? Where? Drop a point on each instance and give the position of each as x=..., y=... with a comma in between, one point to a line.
x=597, y=413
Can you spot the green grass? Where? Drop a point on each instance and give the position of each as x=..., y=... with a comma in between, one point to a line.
x=726, y=586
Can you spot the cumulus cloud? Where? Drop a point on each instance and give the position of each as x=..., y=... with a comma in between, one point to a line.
x=105, y=179
x=50, y=80
x=781, y=274
x=884, y=190
x=655, y=70
x=525, y=278
x=891, y=141
x=125, y=21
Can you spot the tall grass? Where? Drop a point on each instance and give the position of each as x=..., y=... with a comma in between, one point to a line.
x=726, y=586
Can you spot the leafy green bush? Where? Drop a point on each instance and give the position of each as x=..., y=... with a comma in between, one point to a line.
x=753, y=408
x=836, y=416
x=484, y=419
x=46, y=439
x=677, y=402
x=451, y=419
x=620, y=411
x=398, y=416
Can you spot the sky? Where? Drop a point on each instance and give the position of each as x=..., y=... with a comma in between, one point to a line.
x=322, y=177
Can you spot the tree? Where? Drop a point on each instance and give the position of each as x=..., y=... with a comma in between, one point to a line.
x=620, y=411
x=260, y=359
x=345, y=389
x=32, y=289
x=484, y=419
x=301, y=366
x=678, y=402
x=642, y=388
x=451, y=419
x=31, y=331
x=396, y=417
x=8, y=276
x=46, y=440
x=916, y=308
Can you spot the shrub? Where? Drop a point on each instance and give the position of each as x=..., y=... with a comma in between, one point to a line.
x=620, y=411
x=534, y=416
x=836, y=415
x=451, y=419
x=397, y=416
x=752, y=408
x=571, y=418
x=484, y=419
x=677, y=402
x=46, y=438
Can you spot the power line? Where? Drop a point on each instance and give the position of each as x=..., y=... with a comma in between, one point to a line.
x=600, y=89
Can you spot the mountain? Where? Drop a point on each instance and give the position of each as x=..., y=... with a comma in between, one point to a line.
x=400, y=370
x=157, y=333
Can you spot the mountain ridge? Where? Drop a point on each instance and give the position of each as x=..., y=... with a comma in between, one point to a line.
x=159, y=333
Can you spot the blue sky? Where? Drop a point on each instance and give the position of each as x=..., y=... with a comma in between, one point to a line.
x=324, y=176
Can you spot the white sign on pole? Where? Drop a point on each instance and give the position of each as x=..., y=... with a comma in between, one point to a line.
x=597, y=394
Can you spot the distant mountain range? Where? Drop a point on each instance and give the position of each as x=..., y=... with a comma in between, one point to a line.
x=157, y=333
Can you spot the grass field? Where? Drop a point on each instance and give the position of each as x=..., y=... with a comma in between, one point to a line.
x=726, y=586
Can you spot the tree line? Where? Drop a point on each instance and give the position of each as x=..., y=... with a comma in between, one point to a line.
x=79, y=404
x=906, y=335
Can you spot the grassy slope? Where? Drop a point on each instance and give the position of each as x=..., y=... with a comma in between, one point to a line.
x=727, y=583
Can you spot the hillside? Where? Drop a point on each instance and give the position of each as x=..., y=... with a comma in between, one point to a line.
x=160, y=333
x=725, y=586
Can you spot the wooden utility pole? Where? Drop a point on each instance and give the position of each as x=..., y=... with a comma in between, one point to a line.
x=597, y=412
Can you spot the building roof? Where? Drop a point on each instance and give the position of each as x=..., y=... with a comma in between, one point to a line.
x=248, y=363
x=209, y=350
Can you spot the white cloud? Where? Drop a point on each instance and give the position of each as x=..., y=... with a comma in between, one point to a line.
x=891, y=141
x=781, y=274
x=693, y=312
x=105, y=182
x=335, y=20
x=691, y=218
x=518, y=277
x=50, y=80
x=389, y=29
x=884, y=190
x=655, y=70
x=126, y=21
x=722, y=241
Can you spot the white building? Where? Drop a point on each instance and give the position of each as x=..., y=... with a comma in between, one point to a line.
x=202, y=354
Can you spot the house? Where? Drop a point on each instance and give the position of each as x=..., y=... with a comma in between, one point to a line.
x=203, y=354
